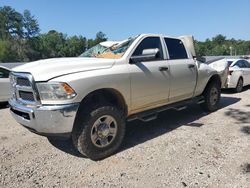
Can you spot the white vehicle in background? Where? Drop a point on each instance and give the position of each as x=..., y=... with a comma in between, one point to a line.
x=235, y=73
x=5, y=92
x=238, y=74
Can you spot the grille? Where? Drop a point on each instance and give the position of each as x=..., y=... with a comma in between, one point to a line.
x=22, y=86
x=25, y=95
x=23, y=82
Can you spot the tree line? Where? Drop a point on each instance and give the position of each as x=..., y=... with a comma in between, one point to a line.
x=21, y=40
x=220, y=45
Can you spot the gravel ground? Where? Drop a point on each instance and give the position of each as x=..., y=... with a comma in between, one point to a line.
x=180, y=149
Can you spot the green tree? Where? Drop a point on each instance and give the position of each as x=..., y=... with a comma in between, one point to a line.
x=6, y=53
x=11, y=22
x=31, y=26
x=75, y=46
x=34, y=46
x=52, y=44
x=219, y=39
x=100, y=37
x=220, y=45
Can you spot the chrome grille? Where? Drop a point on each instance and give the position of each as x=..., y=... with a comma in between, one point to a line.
x=23, y=88
x=23, y=82
x=28, y=96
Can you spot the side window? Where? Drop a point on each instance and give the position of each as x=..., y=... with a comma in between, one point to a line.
x=149, y=43
x=4, y=73
x=240, y=64
x=176, y=49
x=247, y=64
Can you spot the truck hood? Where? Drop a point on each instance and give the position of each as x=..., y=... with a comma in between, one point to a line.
x=47, y=69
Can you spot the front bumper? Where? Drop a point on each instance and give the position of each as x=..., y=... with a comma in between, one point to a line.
x=49, y=120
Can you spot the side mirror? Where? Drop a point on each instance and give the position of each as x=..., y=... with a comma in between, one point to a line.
x=151, y=52
x=147, y=55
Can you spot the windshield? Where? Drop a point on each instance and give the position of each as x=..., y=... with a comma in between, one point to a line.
x=111, y=50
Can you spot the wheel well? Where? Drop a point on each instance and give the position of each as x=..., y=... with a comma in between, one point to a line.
x=214, y=78
x=241, y=78
x=110, y=96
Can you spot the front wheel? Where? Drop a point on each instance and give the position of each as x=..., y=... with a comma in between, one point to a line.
x=99, y=132
x=211, y=95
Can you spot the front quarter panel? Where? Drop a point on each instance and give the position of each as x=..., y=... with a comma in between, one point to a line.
x=116, y=77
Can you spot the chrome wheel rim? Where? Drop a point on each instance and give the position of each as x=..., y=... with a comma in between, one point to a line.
x=104, y=131
x=214, y=96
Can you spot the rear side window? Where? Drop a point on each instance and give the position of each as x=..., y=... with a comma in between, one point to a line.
x=4, y=73
x=247, y=64
x=149, y=43
x=176, y=49
x=240, y=64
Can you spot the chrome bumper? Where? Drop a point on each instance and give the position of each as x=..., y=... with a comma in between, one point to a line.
x=45, y=120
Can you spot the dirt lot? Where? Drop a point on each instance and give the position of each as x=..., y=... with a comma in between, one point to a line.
x=179, y=149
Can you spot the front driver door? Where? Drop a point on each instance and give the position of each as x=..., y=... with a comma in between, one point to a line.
x=149, y=80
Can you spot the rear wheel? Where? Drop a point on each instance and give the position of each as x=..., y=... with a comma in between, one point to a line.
x=212, y=97
x=239, y=86
x=99, y=132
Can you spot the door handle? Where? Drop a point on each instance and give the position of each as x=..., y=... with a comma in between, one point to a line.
x=163, y=68
x=191, y=66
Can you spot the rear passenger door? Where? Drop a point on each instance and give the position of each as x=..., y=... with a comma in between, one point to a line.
x=183, y=71
x=243, y=71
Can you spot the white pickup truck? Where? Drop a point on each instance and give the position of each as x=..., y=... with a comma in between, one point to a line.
x=89, y=98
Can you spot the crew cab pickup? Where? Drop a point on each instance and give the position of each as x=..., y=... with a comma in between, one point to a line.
x=89, y=98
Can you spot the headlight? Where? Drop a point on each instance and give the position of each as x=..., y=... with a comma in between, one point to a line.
x=55, y=91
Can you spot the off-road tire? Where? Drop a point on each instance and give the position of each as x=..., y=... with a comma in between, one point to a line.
x=208, y=106
x=81, y=135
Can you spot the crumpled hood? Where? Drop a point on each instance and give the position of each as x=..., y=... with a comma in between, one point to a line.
x=47, y=69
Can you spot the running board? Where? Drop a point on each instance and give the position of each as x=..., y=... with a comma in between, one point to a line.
x=180, y=108
x=147, y=118
x=152, y=114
